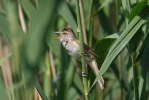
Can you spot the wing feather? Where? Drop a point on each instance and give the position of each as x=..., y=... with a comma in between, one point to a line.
x=87, y=49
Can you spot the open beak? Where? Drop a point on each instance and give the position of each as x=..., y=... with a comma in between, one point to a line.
x=58, y=38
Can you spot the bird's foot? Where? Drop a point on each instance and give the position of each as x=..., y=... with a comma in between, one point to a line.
x=83, y=54
x=84, y=74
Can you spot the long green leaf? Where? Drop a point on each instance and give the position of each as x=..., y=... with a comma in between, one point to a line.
x=126, y=10
x=139, y=53
x=40, y=91
x=3, y=91
x=67, y=15
x=10, y=23
x=137, y=9
x=4, y=25
x=38, y=31
x=34, y=46
x=28, y=8
x=143, y=78
x=72, y=94
x=107, y=2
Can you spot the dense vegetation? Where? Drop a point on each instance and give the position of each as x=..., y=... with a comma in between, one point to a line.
x=34, y=66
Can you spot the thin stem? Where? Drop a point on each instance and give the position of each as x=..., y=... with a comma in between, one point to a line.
x=136, y=94
x=52, y=64
x=82, y=50
x=21, y=16
x=48, y=75
x=90, y=23
x=90, y=28
x=117, y=13
x=83, y=23
x=120, y=74
x=91, y=31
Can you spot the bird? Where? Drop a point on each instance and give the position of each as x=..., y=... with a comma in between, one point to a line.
x=72, y=45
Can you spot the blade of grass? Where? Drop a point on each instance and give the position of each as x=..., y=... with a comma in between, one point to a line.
x=105, y=22
x=107, y=2
x=143, y=78
x=47, y=82
x=69, y=77
x=72, y=94
x=3, y=92
x=137, y=9
x=139, y=53
x=40, y=91
x=4, y=25
x=28, y=8
x=34, y=45
x=67, y=15
x=13, y=20
x=38, y=31
x=66, y=81
x=78, y=82
x=126, y=10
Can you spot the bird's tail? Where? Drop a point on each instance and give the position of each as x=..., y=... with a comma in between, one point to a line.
x=93, y=65
x=101, y=83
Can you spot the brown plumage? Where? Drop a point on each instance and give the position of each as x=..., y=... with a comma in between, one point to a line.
x=72, y=45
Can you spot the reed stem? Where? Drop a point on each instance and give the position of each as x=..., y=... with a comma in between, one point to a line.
x=84, y=70
x=136, y=93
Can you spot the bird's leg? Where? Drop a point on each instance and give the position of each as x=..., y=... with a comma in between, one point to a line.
x=87, y=67
x=81, y=54
x=85, y=55
x=85, y=74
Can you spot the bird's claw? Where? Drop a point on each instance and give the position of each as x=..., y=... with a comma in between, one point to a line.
x=84, y=74
x=83, y=54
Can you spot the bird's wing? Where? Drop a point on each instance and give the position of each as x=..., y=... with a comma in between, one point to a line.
x=89, y=50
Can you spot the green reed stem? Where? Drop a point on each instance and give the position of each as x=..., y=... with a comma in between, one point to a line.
x=47, y=85
x=120, y=74
x=90, y=23
x=136, y=93
x=82, y=50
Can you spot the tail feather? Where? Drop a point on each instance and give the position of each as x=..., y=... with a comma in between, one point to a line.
x=93, y=65
x=101, y=83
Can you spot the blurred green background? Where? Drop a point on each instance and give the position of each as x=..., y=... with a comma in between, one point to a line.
x=34, y=66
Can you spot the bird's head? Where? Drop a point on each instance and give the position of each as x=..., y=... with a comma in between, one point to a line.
x=66, y=34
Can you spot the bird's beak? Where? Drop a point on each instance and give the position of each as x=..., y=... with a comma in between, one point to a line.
x=57, y=32
x=58, y=38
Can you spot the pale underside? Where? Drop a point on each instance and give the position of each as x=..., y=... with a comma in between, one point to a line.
x=74, y=51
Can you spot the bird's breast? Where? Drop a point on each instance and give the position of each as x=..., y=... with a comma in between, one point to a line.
x=74, y=50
